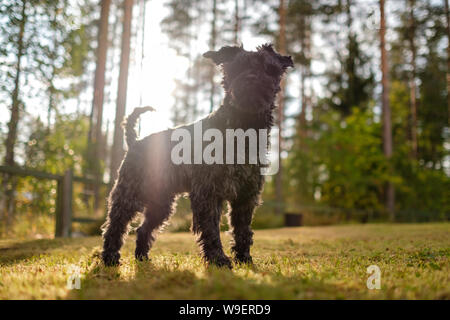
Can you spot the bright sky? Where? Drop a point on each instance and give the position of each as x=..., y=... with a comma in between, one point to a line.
x=161, y=66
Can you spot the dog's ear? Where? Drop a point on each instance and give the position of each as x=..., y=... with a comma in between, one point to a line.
x=286, y=61
x=267, y=47
x=225, y=54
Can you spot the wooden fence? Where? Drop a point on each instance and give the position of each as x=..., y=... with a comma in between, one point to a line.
x=64, y=195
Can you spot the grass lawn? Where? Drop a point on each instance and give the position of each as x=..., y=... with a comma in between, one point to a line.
x=291, y=263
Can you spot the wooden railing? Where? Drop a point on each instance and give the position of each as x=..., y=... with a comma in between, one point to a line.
x=64, y=195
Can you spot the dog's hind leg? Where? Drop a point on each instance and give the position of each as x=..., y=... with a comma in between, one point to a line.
x=155, y=216
x=206, y=222
x=240, y=219
x=122, y=209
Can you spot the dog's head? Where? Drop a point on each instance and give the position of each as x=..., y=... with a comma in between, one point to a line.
x=252, y=78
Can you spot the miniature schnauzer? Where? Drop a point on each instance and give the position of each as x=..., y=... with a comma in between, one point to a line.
x=149, y=182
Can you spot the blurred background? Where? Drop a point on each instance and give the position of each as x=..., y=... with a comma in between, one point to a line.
x=364, y=115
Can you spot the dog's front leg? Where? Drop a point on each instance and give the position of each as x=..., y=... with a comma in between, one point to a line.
x=206, y=223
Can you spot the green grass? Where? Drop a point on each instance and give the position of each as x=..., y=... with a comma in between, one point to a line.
x=291, y=263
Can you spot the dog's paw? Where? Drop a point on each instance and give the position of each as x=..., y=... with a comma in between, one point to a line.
x=243, y=259
x=221, y=261
x=141, y=256
x=111, y=259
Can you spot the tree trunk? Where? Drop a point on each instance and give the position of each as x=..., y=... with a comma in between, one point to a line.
x=117, y=148
x=302, y=115
x=14, y=120
x=413, y=89
x=447, y=16
x=305, y=41
x=279, y=208
x=236, y=22
x=141, y=62
x=12, y=125
x=350, y=62
x=387, y=126
x=51, y=87
x=95, y=138
x=212, y=46
x=99, y=80
x=53, y=55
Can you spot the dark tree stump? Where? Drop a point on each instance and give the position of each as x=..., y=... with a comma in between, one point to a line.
x=293, y=219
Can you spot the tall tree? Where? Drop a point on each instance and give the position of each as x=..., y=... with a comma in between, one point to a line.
x=15, y=108
x=351, y=84
x=99, y=77
x=433, y=113
x=117, y=148
x=53, y=9
x=280, y=115
x=212, y=46
x=305, y=67
x=237, y=22
x=447, y=16
x=387, y=126
x=95, y=137
x=298, y=24
x=413, y=90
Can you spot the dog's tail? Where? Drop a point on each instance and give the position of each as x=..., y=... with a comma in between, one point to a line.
x=130, y=122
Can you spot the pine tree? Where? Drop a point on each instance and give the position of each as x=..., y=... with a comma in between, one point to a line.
x=387, y=126
x=117, y=148
x=95, y=141
x=19, y=20
x=280, y=115
x=447, y=17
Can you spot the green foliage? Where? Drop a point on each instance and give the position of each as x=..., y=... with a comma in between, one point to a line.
x=266, y=220
x=433, y=111
x=422, y=194
x=347, y=158
x=59, y=149
x=52, y=152
x=178, y=22
x=352, y=85
x=78, y=44
x=30, y=223
x=355, y=162
x=341, y=165
x=425, y=196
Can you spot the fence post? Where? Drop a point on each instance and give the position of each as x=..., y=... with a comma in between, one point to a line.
x=64, y=205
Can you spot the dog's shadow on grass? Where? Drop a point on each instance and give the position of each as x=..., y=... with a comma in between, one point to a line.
x=131, y=280
x=149, y=280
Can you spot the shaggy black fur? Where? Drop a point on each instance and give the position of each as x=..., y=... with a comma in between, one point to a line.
x=149, y=181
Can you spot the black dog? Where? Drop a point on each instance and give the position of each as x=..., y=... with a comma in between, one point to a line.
x=149, y=181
